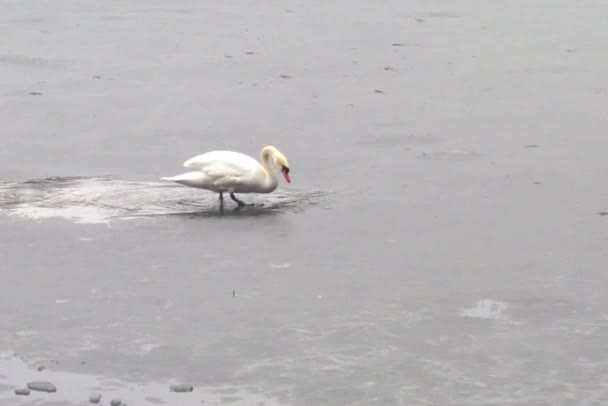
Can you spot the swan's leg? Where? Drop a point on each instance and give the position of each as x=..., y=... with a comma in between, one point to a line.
x=237, y=200
x=221, y=202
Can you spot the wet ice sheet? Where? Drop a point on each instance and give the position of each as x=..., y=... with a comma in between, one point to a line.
x=100, y=200
x=74, y=389
x=447, y=204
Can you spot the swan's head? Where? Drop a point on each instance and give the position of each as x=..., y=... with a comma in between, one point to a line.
x=285, y=171
x=284, y=165
x=279, y=159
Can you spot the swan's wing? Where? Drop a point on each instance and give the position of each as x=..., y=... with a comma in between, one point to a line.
x=227, y=169
x=224, y=176
x=229, y=161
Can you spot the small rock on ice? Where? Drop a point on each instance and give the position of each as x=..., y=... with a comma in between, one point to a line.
x=42, y=386
x=181, y=388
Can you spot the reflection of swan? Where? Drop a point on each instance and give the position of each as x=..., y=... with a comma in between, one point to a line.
x=228, y=171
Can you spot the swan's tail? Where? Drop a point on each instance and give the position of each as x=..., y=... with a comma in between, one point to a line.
x=193, y=179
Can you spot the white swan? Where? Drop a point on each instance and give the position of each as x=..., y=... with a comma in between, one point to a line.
x=233, y=172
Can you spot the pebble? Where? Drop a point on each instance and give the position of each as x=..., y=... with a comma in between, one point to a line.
x=181, y=388
x=22, y=391
x=94, y=398
x=41, y=368
x=42, y=386
x=116, y=402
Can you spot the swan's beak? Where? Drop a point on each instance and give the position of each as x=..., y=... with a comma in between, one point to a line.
x=285, y=171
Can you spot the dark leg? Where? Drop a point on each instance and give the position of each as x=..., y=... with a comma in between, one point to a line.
x=222, y=202
x=237, y=200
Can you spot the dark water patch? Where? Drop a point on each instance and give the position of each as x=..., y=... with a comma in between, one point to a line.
x=434, y=14
x=28, y=20
x=187, y=11
x=454, y=154
x=558, y=70
x=391, y=141
x=403, y=44
x=21, y=60
x=105, y=199
x=115, y=17
x=17, y=61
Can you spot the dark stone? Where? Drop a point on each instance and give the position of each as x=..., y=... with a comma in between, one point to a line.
x=41, y=368
x=94, y=398
x=181, y=388
x=116, y=402
x=22, y=391
x=42, y=386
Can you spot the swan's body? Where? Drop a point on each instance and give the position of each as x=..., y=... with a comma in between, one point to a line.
x=233, y=172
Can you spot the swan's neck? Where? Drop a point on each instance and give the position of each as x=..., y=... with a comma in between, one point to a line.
x=271, y=181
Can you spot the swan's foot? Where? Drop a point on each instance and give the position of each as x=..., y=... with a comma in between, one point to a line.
x=239, y=201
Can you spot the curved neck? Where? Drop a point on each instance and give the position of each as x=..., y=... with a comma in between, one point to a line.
x=271, y=180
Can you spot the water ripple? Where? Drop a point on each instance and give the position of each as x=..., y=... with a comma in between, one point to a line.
x=103, y=199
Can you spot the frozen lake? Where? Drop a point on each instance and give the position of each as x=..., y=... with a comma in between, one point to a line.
x=442, y=240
